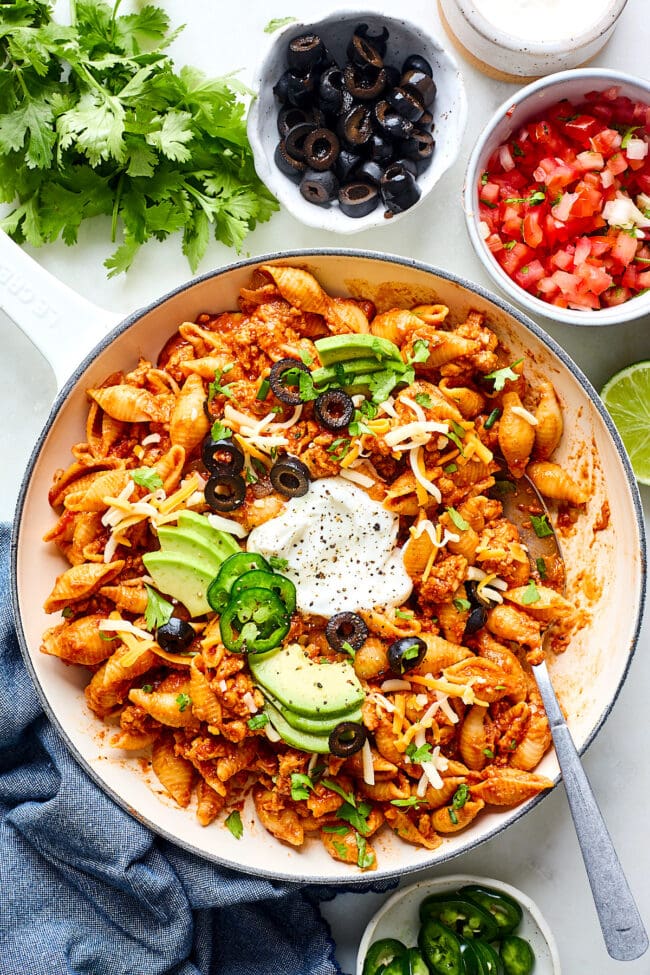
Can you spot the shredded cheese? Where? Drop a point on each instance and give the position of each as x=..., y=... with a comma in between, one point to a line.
x=368, y=767
x=412, y=405
x=358, y=478
x=525, y=414
x=417, y=463
x=422, y=431
x=228, y=526
x=116, y=625
x=395, y=685
x=271, y=733
x=151, y=438
x=249, y=701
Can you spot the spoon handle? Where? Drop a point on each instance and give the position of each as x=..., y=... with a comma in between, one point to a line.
x=623, y=930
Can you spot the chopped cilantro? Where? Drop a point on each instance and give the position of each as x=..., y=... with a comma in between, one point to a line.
x=501, y=376
x=450, y=468
x=404, y=614
x=423, y=399
x=340, y=448
x=460, y=431
x=412, y=801
x=341, y=849
x=147, y=478
x=278, y=563
x=488, y=753
x=485, y=178
x=627, y=135
x=234, y=824
x=541, y=568
x=277, y=23
x=541, y=526
x=301, y=786
x=531, y=593
x=340, y=791
x=517, y=150
x=420, y=351
x=67, y=612
x=147, y=688
x=183, y=701
x=219, y=431
x=365, y=857
x=488, y=204
x=419, y=754
x=158, y=610
x=455, y=439
x=369, y=409
x=215, y=388
x=513, y=744
x=258, y=721
x=458, y=520
x=509, y=244
x=341, y=830
x=452, y=816
x=462, y=605
x=492, y=419
x=461, y=795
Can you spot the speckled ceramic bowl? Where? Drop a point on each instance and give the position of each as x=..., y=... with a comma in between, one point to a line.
x=398, y=918
x=449, y=111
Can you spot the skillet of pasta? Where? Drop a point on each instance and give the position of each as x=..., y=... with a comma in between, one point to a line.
x=290, y=575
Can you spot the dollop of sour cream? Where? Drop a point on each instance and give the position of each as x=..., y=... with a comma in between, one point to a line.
x=543, y=20
x=340, y=547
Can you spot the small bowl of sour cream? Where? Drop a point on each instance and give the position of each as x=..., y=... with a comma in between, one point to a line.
x=520, y=40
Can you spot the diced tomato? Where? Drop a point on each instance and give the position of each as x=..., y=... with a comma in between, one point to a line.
x=513, y=258
x=528, y=275
x=643, y=280
x=582, y=128
x=555, y=173
x=533, y=233
x=490, y=192
x=606, y=141
x=596, y=279
x=615, y=296
x=589, y=201
x=625, y=248
x=494, y=243
x=617, y=163
x=630, y=278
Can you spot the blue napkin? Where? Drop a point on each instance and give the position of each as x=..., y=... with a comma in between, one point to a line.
x=84, y=888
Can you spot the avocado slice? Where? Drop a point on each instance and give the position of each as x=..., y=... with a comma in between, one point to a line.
x=180, y=576
x=307, y=688
x=348, y=370
x=223, y=543
x=302, y=740
x=341, y=348
x=315, y=726
x=182, y=541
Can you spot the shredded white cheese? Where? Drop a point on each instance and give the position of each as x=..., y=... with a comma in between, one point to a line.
x=228, y=526
x=249, y=701
x=271, y=733
x=524, y=414
x=417, y=429
x=429, y=486
x=124, y=626
x=394, y=684
x=357, y=478
x=368, y=767
x=412, y=405
x=152, y=438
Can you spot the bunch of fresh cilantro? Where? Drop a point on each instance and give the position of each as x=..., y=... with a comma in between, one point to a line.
x=95, y=120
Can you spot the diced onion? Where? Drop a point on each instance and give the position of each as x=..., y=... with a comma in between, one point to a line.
x=562, y=210
x=483, y=230
x=637, y=149
x=607, y=179
x=395, y=685
x=492, y=594
x=474, y=574
x=368, y=767
x=506, y=160
x=622, y=212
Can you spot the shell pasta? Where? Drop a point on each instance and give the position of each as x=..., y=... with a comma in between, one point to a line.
x=440, y=409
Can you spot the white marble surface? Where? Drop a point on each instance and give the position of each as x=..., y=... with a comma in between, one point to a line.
x=539, y=853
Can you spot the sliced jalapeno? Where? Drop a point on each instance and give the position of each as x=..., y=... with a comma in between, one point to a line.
x=460, y=915
x=381, y=953
x=441, y=949
x=413, y=963
x=235, y=566
x=488, y=960
x=261, y=579
x=254, y=621
x=517, y=956
x=506, y=912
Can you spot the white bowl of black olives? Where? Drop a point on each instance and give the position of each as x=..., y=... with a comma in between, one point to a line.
x=357, y=117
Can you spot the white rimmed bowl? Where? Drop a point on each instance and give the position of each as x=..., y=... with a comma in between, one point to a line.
x=398, y=918
x=515, y=112
x=449, y=111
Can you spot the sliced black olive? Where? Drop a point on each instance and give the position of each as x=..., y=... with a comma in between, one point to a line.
x=366, y=84
x=378, y=40
x=421, y=83
x=290, y=477
x=346, y=163
x=419, y=146
x=289, y=116
x=321, y=149
x=296, y=138
x=415, y=62
x=476, y=620
x=222, y=456
x=393, y=75
x=475, y=595
x=286, y=164
x=390, y=122
x=356, y=126
x=370, y=172
x=330, y=90
x=409, y=165
x=334, y=409
x=358, y=199
x=399, y=190
x=305, y=52
x=360, y=51
x=380, y=148
x=346, y=628
x=426, y=120
x=405, y=654
x=175, y=635
x=285, y=381
x=406, y=102
x=300, y=89
x=225, y=492
x=281, y=87
x=320, y=188
x=347, y=739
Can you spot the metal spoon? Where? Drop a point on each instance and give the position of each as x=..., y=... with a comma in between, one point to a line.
x=622, y=927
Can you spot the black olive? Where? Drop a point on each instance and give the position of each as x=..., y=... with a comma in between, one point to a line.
x=290, y=477
x=426, y=120
x=346, y=163
x=319, y=188
x=380, y=148
x=287, y=392
x=360, y=51
x=281, y=87
x=334, y=409
x=476, y=620
x=347, y=739
x=379, y=40
x=289, y=116
x=225, y=492
x=370, y=171
x=366, y=84
x=406, y=102
x=405, y=654
x=393, y=124
x=295, y=140
x=321, y=149
x=399, y=190
x=415, y=62
x=393, y=75
x=175, y=635
x=300, y=89
x=294, y=168
x=358, y=199
x=356, y=126
x=346, y=628
x=222, y=456
x=419, y=146
x=422, y=83
x=330, y=90
x=409, y=165
x=305, y=52
x=475, y=595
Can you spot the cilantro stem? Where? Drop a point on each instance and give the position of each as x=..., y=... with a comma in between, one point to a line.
x=116, y=207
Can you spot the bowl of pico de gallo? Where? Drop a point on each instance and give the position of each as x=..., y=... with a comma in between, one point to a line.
x=557, y=197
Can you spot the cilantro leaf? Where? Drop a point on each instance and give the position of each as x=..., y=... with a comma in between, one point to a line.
x=419, y=754
x=183, y=701
x=234, y=824
x=423, y=399
x=277, y=563
x=258, y=721
x=277, y=23
x=458, y=520
x=147, y=477
x=541, y=526
x=365, y=857
x=460, y=797
x=540, y=564
x=219, y=431
x=531, y=593
x=501, y=376
x=462, y=605
x=158, y=610
x=420, y=351
x=412, y=801
x=301, y=786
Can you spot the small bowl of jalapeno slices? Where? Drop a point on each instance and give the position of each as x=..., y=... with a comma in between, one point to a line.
x=458, y=925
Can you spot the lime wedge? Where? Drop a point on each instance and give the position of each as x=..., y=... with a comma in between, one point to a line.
x=627, y=398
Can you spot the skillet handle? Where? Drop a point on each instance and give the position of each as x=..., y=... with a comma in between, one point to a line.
x=63, y=326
